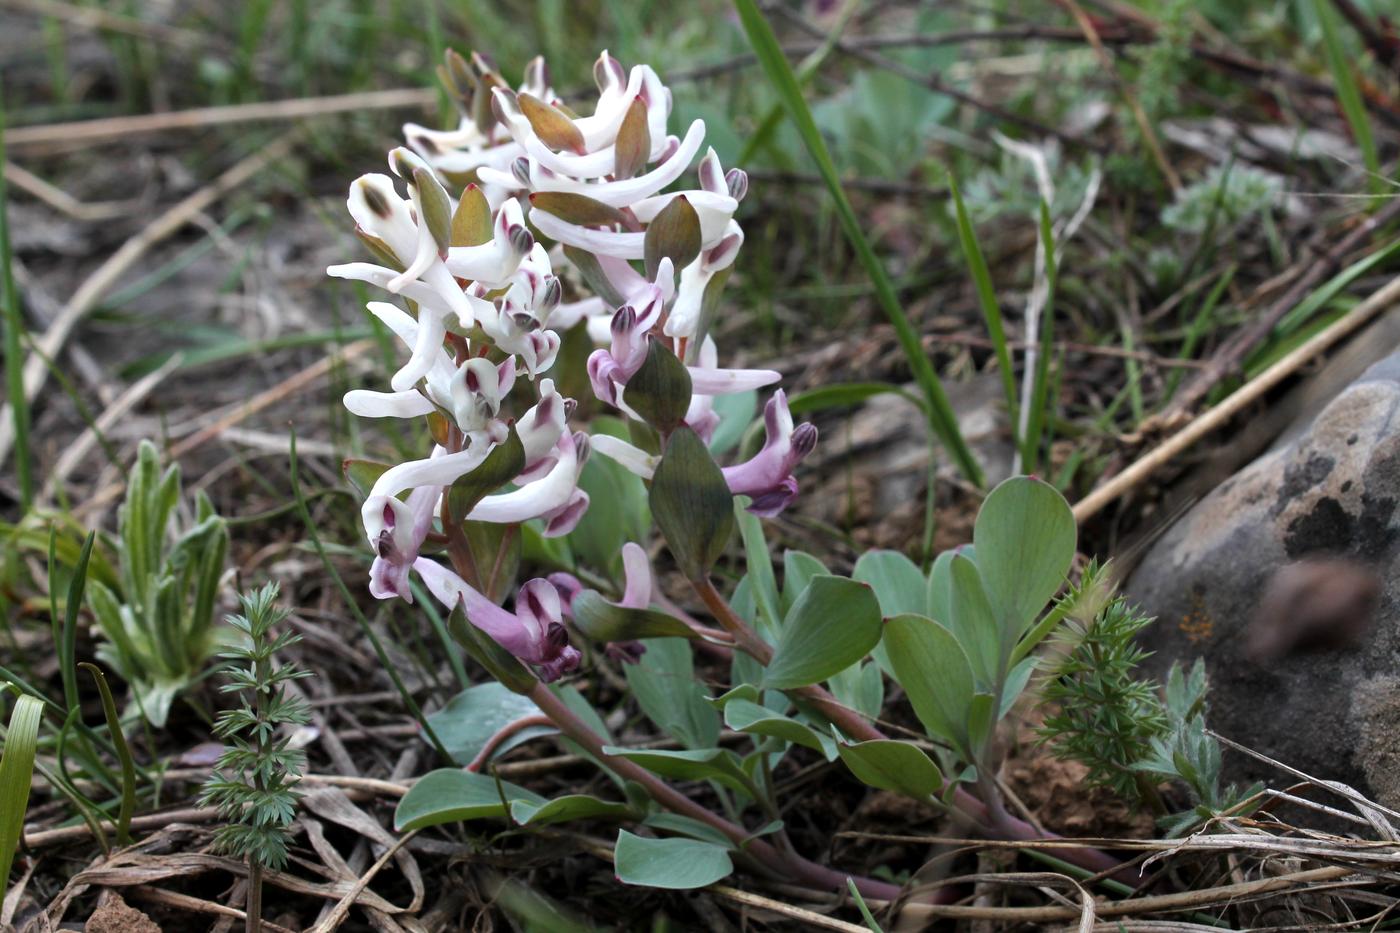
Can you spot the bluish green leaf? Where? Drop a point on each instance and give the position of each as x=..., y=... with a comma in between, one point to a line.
x=1025, y=537
x=473, y=716
x=799, y=568
x=677, y=864
x=752, y=719
x=664, y=686
x=833, y=624
x=933, y=670
x=759, y=564
x=973, y=622
x=861, y=687
x=568, y=808
x=698, y=764
x=896, y=766
x=450, y=795
x=735, y=410
x=899, y=586
x=1015, y=684
x=687, y=826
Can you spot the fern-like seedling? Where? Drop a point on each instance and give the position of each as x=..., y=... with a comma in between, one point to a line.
x=1103, y=716
x=254, y=782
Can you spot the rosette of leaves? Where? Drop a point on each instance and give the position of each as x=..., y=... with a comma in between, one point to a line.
x=1188, y=753
x=158, y=628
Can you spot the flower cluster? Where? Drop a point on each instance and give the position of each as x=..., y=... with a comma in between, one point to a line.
x=486, y=309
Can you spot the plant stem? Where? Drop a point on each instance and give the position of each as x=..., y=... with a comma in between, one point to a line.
x=793, y=866
x=993, y=820
x=253, y=907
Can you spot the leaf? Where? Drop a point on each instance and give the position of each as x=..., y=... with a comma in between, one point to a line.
x=833, y=624
x=973, y=623
x=471, y=221
x=1025, y=537
x=899, y=586
x=861, y=687
x=501, y=465
x=677, y=864
x=687, y=826
x=450, y=795
x=660, y=389
x=691, y=503
x=553, y=128
x=674, y=233
x=472, y=717
x=16, y=771
x=889, y=765
x=694, y=764
x=933, y=670
x=799, y=568
x=745, y=716
x=567, y=808
x=663, y=684
x=633, y=145
x=735, y=410
x=580, y=209
x=759, y=565
x=897, y=581
x=602, y=621
x=940, y=583
x=1016, y=683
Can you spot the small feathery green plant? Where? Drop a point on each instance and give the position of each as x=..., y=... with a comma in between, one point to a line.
x=1131, y=733
x=1105, y=718
x=254, y=783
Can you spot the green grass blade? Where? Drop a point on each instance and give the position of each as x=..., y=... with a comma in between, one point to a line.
x=805, y=70
x=1197, y=329
x=942, y=421
x=16, y=771
x=128, y=764
x=1348, y=94
x=67, y=632
x=14, y=357
x=865, y=913
x=987, y=298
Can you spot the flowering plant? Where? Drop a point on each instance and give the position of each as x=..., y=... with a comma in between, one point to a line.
x=486, y=307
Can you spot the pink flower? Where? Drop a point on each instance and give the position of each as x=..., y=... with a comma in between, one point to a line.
x=535, y=633
x=767, y=478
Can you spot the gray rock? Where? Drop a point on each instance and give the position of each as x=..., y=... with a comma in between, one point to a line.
x=1330, y=490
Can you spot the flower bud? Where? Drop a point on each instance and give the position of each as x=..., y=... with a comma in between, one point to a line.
x=521, y=240
x=608, y=73
x=536, y=77
x=737, y=180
